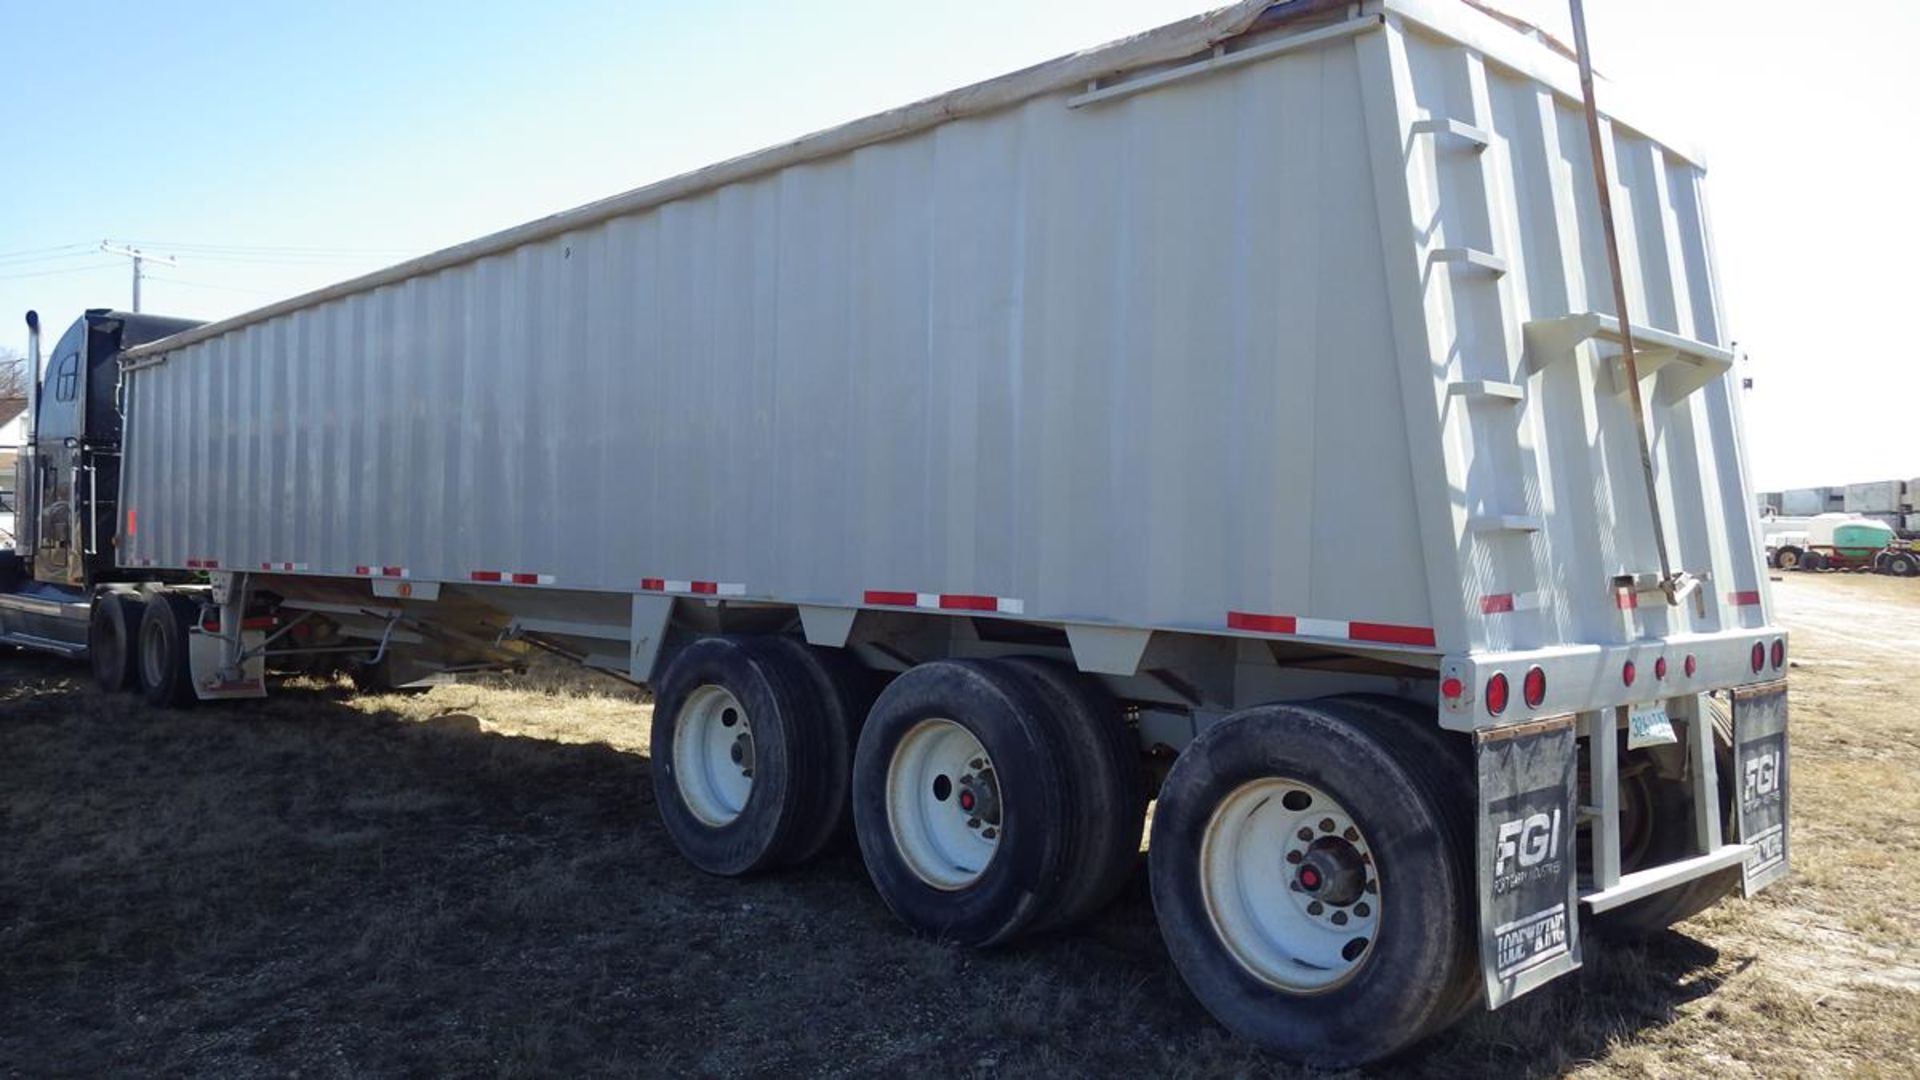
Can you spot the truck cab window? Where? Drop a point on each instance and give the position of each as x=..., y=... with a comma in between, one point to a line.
x=67, y=377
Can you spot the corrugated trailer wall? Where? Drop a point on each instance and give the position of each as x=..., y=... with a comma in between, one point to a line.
x=1125, y=363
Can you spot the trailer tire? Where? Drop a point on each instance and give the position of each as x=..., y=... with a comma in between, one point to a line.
x=1267, y=965
x=113, y=627
x=734, y=750
x=959, y=802
x=843, y=692
x=1902, y=564
x=1444, y=762
x=165, y=663
x=1107, y=787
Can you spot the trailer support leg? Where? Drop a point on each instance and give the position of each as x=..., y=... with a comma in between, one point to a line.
x=230, y=593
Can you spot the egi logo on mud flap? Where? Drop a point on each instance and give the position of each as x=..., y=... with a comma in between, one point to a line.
x=1526, y=849
x=1761, y=783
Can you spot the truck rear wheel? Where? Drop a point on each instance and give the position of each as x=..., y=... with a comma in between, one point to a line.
x=1787, y=558
x=961, y=802
x=1902, y=564
x=1308, y=887
x=738, y=750
x=113, y=627
x=166, y=669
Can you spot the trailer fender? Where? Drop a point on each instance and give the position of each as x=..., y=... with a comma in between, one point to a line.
x=1528, y=877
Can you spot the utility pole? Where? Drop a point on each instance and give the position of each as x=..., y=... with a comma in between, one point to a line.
x=138, y=258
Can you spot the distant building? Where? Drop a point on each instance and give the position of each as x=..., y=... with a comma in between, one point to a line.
x=13, y=431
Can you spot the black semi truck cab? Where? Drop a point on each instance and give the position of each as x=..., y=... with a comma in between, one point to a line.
x=67, y=480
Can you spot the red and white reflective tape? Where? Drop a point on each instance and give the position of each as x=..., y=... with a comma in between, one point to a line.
x=697, y=588
x=284, y=567
x=1003, y=605
x=1507, y=603
x=382, y=571
x=203, y=564
x=510, y=577
x=1341, y=630
x=1749, y=598
x=1625, y=598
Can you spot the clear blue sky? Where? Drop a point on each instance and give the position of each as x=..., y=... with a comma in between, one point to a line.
x=378, y=130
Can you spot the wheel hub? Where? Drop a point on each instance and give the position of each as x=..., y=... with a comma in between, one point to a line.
x=1302, y=921
x=713, y=755
x=1332, y=872
x=979, y=798
x=943, y=804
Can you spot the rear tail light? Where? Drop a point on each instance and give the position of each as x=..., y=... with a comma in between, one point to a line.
x=1660, y=668
x=1627, y=673
x=1534, y=687
x=1692, y=665
x=1451, y=688
x=1497, y=694
x=1779, y=654
x=1759, y=657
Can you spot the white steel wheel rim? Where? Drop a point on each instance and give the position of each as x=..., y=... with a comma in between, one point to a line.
x=943, y=804
x=1258, y=847
x=713, y=755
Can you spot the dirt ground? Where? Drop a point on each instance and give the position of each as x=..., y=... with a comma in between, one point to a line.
x=473, y=882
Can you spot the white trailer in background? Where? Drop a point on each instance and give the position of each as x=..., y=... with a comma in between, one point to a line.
x=1245, y=399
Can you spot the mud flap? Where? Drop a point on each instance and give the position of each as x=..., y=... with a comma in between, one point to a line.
x=205, y=652
x=1760, y=736
x=1528, y=880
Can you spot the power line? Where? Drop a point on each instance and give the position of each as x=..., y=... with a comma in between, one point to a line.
x=63, y=270
x=257, y=249
x=25, y=260
x=40, y=251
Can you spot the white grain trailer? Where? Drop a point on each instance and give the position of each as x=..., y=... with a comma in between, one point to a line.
x=1242, y=405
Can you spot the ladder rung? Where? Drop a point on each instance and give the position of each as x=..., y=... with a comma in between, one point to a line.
x=1473, y=257
x=1524, y=523
x=1457, y=131
x=1487, y=390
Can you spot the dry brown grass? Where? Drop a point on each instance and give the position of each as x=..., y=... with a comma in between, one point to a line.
x=472, y=882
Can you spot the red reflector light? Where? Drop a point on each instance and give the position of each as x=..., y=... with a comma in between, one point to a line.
x=1628, y=672
x=1534, y=687
x=1451, y=688
x=1660, y=668
x=1759, y=657
x=1497, y=694
x=1780, y=654
x=1692, y=665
